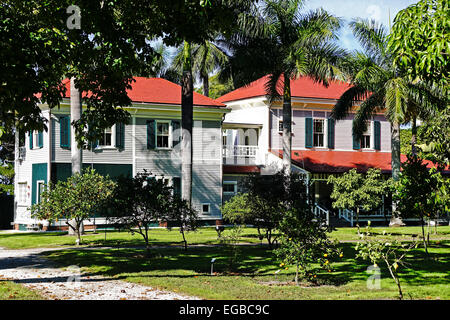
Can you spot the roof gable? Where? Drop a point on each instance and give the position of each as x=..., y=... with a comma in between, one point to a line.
x=159, y=91
x=303, y=87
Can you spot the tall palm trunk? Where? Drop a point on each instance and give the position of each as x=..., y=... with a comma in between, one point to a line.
x=205, y=80
x=76, y=152
x=395, y=164
x=287, y=125
x=187, y=111
x=413, y=137
x=75, y=114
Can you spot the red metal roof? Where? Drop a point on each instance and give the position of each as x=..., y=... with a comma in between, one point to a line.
x=303, y=87
x=230, y=169
x=157, y=90
x=328, y=161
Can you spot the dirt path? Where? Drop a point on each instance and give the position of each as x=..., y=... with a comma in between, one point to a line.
x=30, y=269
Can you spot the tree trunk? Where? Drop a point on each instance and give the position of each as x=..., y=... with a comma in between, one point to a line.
x=423, y=236
x=75, y=114
x=395, y=164
x=187, y=110
x=76, y=110
x=296, y=275
x=205, y=80
x=413, y=137
x=396, y=279
x=357, y=219
x=287, y=125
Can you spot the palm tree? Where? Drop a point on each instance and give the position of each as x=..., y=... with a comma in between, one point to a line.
x=289, y=45
x=207, y=58
x=379, y=86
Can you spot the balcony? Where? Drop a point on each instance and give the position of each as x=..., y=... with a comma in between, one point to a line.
x=240, y=155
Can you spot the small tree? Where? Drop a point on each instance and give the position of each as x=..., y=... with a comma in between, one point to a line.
x=416, y=192
x=138, y=202
x=353, y=191
x=184, y=216
x=77, y=199
x=390, y=252
x=304, y=241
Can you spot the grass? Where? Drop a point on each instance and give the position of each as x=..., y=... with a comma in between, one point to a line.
x=163, y=237
x=14, y=291
x=172, y=268
x=188, y=272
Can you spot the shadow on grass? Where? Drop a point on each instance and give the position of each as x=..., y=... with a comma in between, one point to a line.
x=256, y=262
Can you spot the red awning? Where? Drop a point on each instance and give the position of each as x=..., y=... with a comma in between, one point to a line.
x=330, y=161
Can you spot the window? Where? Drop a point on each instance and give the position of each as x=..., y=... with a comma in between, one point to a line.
x=365, y=140
x=230, y=187
x=206, y=208
x=22, y=188
x=40, y=189
x=224, y=137
x=319, y=132
x=280, y=126
x=106, y=139
x=162, y=134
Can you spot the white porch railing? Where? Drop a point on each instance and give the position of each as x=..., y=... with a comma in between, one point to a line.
x=240, y=151
x=346, y=215
x=320, y=211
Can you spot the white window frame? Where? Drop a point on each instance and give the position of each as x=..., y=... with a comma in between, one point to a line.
x=324, y=133
x=38, y=182
x=368, y=132
x=113, y=140
x=169, y=143
x=209, y=208
x=22, y=194
x=228, y=193
x=280, y=121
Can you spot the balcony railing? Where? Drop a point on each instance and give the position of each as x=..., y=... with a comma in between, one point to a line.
x=240, y=151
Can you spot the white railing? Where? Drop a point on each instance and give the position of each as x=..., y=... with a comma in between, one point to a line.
x=240, y=151
x=346, y=215
x=320, y=211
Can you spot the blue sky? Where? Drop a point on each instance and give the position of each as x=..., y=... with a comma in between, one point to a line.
x=349, y=9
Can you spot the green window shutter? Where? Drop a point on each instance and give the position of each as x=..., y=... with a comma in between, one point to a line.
x=40, y=139
x=120, y=135
x=31, y=139
x=308, y=132
x=377, y=133
x=176, y=186
x=151, y=134
x=331, y=123
x=64, y=132
x=176, y=133
x=356, y=143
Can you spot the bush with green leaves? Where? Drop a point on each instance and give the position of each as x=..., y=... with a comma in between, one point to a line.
x=77, y=199
x=353, y=190
x=387, y=251
x=266, y=199
x=304, y=242
x=421, y=192
x=137, y=203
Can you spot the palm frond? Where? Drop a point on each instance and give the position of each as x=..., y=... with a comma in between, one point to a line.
x=373, y=38
x=364, y=113
x=347, y=100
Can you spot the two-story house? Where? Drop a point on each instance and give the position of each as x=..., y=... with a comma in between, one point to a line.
x=252, y=136
x=151, y=141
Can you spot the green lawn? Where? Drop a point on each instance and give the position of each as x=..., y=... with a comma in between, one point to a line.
x=164, y=237
x=188, y=272
x=174, y=269
x=14, y=291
